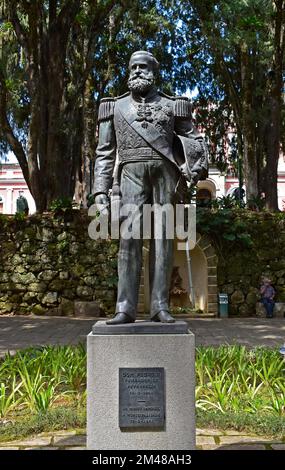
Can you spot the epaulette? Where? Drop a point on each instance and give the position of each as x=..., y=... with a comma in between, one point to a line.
x=166, y=96
x=182, y=107
x=124, y=95
x=106, y=108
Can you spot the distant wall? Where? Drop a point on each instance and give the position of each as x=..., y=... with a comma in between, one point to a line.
x=240, y=268
x=48, y=264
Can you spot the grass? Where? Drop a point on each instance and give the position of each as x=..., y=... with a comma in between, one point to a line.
x=267, y=425
x=71, y=418
x=53, y=420
x=44, y=389
x=235, y=379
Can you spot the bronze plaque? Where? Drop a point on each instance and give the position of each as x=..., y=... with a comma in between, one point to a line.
x=141, y=397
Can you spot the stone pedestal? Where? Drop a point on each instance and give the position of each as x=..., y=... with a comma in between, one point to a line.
x=167, y=348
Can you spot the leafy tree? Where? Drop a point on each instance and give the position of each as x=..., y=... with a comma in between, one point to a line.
x=57, y=60
x=42, y=88
x=241, y=64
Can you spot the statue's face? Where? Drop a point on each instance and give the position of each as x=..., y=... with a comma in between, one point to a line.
x=141, y=76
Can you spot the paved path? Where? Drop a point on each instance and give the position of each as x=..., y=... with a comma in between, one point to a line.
x=18, y=332
x=21, y=332
x=207, y=439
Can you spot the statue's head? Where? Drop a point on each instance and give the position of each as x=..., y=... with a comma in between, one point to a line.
x=143, y=66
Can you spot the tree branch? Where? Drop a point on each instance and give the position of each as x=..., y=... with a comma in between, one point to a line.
x=19, y=29
x=8, y=133
x=67, y=14
x=213, y=36
x=93, y=33
x=52, y=11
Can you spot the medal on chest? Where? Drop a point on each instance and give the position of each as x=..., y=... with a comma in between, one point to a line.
x=152, y=113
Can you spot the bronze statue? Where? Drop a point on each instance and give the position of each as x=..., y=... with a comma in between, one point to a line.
x=158, y=149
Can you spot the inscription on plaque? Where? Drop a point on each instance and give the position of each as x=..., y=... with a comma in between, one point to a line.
x=141, y=397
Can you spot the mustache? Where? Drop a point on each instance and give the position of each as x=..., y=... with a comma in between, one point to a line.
x=140, y=84
x=141, y=75
x=141, y=80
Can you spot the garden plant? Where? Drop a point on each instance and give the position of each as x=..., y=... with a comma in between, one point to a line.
x=43, y=389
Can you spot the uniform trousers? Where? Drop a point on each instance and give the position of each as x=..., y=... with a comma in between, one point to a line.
x=152, y=181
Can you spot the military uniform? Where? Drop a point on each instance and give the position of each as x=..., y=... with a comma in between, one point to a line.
x=141, y=132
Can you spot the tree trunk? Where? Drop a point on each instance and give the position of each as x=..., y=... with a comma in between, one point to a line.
x=89, y=144
x=54, y=187
x=248, y=128
x=49, y=161
x=32, y=156
x=273, y=129
x=272, y=154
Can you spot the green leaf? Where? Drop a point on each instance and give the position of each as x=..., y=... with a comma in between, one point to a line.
x=229, y=236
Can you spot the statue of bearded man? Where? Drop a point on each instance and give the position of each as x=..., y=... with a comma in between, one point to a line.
x=141, y=127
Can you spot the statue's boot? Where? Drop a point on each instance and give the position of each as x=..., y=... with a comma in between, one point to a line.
x=119, y=319
x=164, y=317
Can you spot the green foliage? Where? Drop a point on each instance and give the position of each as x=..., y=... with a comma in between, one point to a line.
x=224, y=224
x=61, y=204
x=74, y=369
x=5, y=27
x=4, y=220
x=63, y=245
x=234, y=48
x=185, y=310
x=20, y=216
x=96, y=43
x=55, y=419
x=201, y=45
x=258, y=423
x=44, y=389
x=38, y=390
x=225, y=202
x=112, y=281
x=256, y=203
x=37, y=378
x=234, y=379
x=8, y=401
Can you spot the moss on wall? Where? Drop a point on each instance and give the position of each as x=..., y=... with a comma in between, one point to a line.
x=47, y=264
x=241, y=265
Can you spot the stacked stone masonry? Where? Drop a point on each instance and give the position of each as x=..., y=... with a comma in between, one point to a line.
x=49, y=265
x=241, y=268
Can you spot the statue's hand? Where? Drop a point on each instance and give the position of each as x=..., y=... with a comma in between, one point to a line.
x=192, y=176
x=101, y=199
x=102, y=203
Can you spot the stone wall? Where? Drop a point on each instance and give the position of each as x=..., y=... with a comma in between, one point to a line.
x=49, y=265
x=240, y=268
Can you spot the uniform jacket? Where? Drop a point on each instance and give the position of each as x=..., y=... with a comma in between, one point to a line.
x=136, y=129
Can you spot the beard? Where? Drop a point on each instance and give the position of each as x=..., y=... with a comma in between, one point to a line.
x=140, y=84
